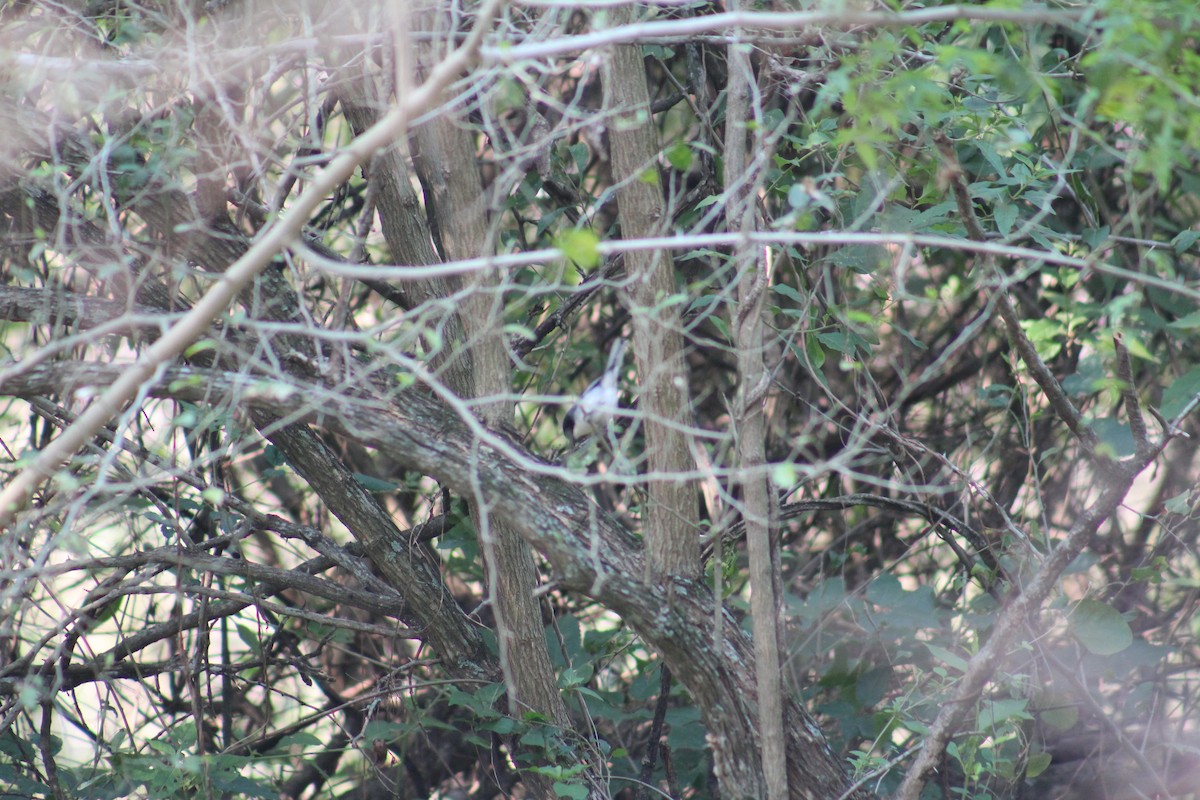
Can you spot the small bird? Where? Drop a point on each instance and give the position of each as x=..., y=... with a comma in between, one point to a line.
x=599, y=402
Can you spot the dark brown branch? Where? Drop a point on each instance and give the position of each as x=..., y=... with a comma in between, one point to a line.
x=588, y=550
x=953, y=172
x=1133, y=407
x=932, y=514
x=275, y=579
x=64, y=307
x=275, y=582
x=95, y=672
x=610, y=268
x=653, y=742
x=46, y=746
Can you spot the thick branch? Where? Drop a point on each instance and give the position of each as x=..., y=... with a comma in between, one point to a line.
x=672, y=544
x=17, y=493
x=588, y=550
x=455, y=195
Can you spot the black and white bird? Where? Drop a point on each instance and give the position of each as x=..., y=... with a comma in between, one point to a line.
x=599, y=402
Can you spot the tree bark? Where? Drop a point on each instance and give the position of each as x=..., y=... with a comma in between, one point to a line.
x=750, y=423
x=670, y=523
x=589, y=551
x=430, y=605
x=454, y=191
x=406, y=231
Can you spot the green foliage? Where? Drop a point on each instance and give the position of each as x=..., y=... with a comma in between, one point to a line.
x=580, y=247
x=1100, y=628
x=940, y=473
x=162, y=768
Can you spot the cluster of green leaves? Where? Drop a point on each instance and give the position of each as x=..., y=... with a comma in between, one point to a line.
x=878, y=662
x=163, y=766
x=1077, y=140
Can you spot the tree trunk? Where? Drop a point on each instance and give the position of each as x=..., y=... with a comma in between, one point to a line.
x=749, y=422
x=670, y=525
x=447, y=166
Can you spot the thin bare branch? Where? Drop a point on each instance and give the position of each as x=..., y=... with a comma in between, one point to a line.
x=108, y=405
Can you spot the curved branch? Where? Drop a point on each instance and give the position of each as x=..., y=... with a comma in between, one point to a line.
x=239, y=274
x=589, y=550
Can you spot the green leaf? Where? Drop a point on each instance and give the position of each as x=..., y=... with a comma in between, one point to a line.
x=300, y=739
x=1045, y=334
x=575, y=676
x=240, y=786
x=577, y=791
x=1180, y=393
x=995, y=712
x=861, y=258
x=870, y=686
x=1100, y=628
x=680, y=156
x=273, y=456
x=1152, y=573
x=580, y=153
x=659, y=51
x=502, y=726
x=947, y=657
x=721, y=326
x=816, y=353
x=1115, y=437
x=784, y=475
x=885, y=590
x=1057, y=710
x=481, y=706
x=250, y=637
x=841, y=341
x=385, y=731
x=186, y=382
x=1037, y=764
x=590, y=694
x=790, y=293
x=20, y=786
x=1095, y=238
x=1006, y=218
x=580, y=246
x=200, y=347
x=1188, y=322
x=1184, y=241
x=1180, y=503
